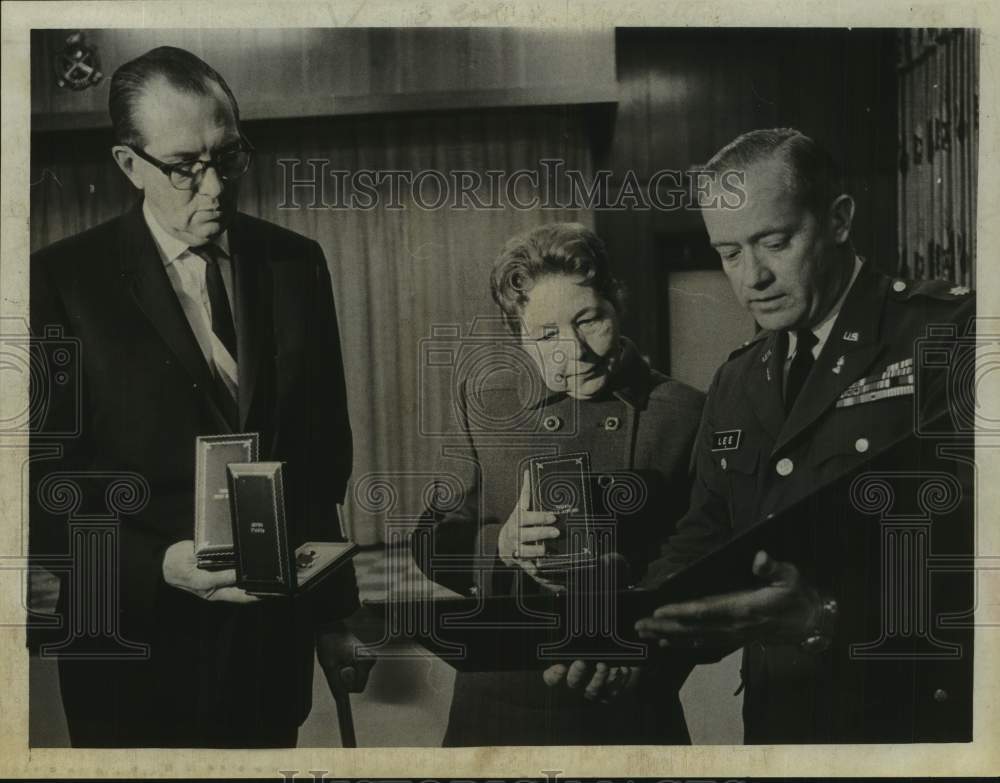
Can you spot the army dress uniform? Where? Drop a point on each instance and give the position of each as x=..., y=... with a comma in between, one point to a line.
x=753, y=460
x=642, y=428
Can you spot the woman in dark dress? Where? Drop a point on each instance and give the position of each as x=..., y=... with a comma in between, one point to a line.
x=585, y=389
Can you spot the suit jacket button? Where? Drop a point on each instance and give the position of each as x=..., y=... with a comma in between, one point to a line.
x=940, y=695
x=784, y=467
x=861, y=445
x=612, y=423
x=899, y=286
x=724, y=463
x=551, y=423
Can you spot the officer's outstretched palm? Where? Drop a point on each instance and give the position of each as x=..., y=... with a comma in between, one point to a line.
x=784, y=609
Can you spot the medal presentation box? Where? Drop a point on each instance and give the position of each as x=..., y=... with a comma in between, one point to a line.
x=562, y=485
x=266, y=563
x=213, y=529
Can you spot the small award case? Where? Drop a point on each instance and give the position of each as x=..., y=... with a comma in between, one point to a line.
x=266, y=563
x=213, y=530
x=562, y=485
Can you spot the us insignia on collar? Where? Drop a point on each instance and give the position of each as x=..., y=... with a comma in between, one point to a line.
x=851, y=337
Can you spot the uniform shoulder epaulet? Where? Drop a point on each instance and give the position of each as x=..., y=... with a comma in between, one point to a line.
x=748, y=344
x=944, y=290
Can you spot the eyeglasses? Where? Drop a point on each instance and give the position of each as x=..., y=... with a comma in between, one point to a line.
x=230, y=164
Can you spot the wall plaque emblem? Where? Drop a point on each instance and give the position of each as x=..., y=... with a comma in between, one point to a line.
x=77, y=66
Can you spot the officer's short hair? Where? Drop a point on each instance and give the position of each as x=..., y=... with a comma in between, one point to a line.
x=182, y=71
x=552, y=249
x=812, y=171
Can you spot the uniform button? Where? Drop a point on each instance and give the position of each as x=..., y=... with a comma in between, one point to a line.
x=784, y=467
x=552, y=423
x=612, y=423
x=940, y=695
x=861, y=445
x=899, y=286
x=724, y=463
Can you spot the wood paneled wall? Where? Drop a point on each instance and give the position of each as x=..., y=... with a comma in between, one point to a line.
x=683, y=94
x=282, y=73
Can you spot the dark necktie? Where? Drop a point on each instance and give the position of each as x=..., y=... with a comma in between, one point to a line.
x=801, y=365
x=222, y=314
x=222, y=325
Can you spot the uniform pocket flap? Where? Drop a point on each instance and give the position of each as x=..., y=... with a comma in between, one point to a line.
x=739, y=461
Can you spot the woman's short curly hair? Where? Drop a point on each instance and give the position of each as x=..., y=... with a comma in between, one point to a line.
x=552, y=249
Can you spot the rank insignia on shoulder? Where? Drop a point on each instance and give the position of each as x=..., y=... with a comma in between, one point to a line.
x=960, y=290
x=726, y=440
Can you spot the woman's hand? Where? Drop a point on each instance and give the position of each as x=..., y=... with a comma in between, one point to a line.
x=603, y=683
x=523, y=536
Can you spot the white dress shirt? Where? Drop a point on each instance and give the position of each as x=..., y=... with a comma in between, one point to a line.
x=186, y=271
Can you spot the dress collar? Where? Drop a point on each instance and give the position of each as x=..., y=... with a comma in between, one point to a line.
x=632, y=383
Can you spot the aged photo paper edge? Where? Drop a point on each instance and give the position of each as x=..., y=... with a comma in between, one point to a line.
x=16, y=759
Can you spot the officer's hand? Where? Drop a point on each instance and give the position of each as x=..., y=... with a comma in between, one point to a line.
x=602, y=682
x=523, y=536
x=785, y=609
x=180, y=570
x=344, y=660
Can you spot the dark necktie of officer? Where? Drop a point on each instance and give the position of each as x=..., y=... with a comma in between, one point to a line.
x=222, y=324
x=802, y=363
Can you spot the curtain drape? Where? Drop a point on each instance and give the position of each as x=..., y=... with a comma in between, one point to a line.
x=939, y=153
x=397, y=272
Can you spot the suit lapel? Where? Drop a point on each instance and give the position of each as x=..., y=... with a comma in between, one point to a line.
x=763, y=384
x=150, y=287
x=852, y=347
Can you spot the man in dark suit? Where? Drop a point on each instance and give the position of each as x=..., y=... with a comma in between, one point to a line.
x=193, y=319
x=832, y=380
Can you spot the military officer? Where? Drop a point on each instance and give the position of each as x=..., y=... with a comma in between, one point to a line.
x=829, y=382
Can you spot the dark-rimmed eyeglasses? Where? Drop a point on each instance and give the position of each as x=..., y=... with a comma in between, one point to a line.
x=230, y=164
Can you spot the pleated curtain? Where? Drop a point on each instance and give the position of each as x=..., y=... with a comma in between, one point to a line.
x=397, y=272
